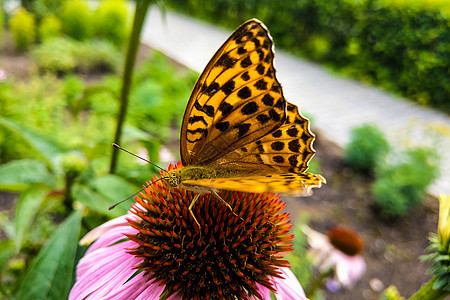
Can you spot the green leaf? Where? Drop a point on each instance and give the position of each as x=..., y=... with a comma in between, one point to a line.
x=96, y=201
x=26, y=210
x=153, y=148
x=6, y=252
x=113, y=187
x=50, y=274
x=17, y=175
x=132, y=133
x=47, y=148
x=441, y=281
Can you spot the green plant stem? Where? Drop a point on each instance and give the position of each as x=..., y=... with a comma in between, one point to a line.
x=427, y=292
x=317, y=283
x=70, y=178
x=139, y=18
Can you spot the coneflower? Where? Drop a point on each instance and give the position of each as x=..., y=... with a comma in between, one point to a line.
x=158, y=250
x=339, y=251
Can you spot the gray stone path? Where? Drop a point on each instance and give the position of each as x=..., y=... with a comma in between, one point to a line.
x=335, y=104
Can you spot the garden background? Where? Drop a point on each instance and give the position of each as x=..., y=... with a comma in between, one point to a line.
x=61, y=64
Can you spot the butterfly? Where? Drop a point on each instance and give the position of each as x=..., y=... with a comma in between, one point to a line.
x=239, y=132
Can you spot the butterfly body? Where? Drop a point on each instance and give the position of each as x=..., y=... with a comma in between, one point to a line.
x=185, y=177
x=239, y=132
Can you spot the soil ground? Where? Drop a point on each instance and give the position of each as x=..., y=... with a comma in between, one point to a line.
x=392, y=249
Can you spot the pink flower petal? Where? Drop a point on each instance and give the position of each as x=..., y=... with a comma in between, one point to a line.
x=288, y=288
x=349, y=269
x=111, y=237
x=100, y=268
x=265, y=292
x=137, y=288
x=100, y=230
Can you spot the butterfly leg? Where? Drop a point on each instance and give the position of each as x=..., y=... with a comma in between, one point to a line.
x=190, y=209
x=225, y=202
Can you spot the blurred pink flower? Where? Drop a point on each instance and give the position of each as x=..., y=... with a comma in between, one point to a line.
x=2, y=75
x=158, y=249
x=339, y=250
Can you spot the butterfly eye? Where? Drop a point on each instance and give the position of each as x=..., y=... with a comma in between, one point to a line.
x=173, y=181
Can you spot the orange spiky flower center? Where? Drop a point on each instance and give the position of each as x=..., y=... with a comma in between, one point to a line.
x=346, y=240
x=224, y=259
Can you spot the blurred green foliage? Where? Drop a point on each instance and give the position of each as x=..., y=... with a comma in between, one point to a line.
x=50, y=27
x=401, y=177
x=391, y=293
x=74, y=95
x=42, y=8
x=56, y=129
x=314, y=166
x=77, y=19
x=367, y=147
x=1, y=25
x=55, y=55
x=401, y=183
x=79, y=116
x=62, y=55
x=97, y=56
x=402, y=46
x=23, y=29
x=36, y=103
x=110, y=21
x=159, y=97
x=301, y=263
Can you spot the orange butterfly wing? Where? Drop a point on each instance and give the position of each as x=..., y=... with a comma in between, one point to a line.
x=238, y=120
x=236, y=100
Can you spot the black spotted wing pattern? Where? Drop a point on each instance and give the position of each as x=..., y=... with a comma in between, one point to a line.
x=236, y=100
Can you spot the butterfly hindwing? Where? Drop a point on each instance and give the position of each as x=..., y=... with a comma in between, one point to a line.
x=287, y=149
x=237, y=99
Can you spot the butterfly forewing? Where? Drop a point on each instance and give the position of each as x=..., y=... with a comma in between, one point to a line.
x=237, y=99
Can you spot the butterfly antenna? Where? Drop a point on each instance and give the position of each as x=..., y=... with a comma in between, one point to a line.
x=118, y=147
x=127, y=198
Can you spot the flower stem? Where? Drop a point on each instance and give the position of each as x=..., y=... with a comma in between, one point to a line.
x=317, y=282
x=69, y=178
x=139, y=18
x=427, y=292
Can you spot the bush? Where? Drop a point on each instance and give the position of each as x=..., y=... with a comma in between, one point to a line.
x=43, y=8
x=111, y=21
x=401, y=46
x=76, y=19
x=50, y=27
x=366, y=148
x=64, y=55
x=23, y=29
x=401, y=186
x=55, y=56
x=96, y=56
